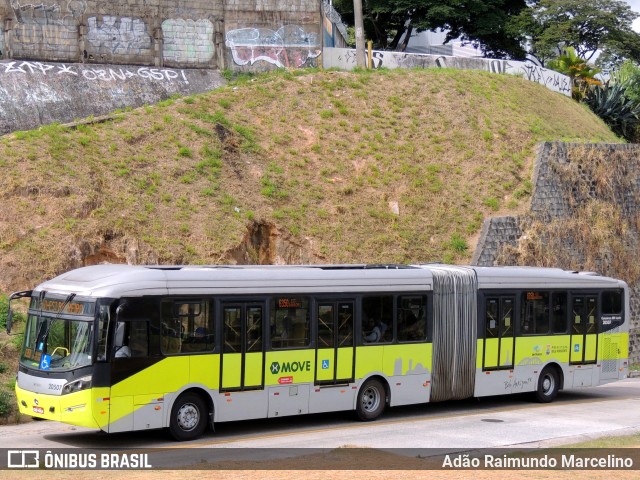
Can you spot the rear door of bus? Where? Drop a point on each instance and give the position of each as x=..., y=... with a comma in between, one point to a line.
x=584, y=329
x=499, y=332
x=335, y=354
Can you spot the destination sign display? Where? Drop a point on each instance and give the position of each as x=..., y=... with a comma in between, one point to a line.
x=75, y=308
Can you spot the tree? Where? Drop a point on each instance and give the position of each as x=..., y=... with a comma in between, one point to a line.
x=628, y=74
x=582, y=74
x=587, y=26
x=389, y=23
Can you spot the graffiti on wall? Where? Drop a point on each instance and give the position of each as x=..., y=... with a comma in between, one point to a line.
x=118, y=37
x=49, y=13
x=290, y=46
x=549, y=78
x=93, y=73
x=187, y=41
x=346, y=58
x=46, y=24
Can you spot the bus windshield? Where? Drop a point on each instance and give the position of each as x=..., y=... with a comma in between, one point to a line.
x=57, y=344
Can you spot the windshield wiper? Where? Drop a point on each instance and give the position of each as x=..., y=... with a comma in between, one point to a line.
x=44, y=337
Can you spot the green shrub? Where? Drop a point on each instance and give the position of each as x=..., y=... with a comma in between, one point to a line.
x=615, y=108
x=4, y=309
x=458, y=244
x=6, y=403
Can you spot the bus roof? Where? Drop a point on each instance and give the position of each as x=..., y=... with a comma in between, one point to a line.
x=541, y=277
x=127, y=280
x=115, y=280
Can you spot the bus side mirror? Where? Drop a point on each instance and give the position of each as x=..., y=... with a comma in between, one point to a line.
x=24, y=294
x=9, y=320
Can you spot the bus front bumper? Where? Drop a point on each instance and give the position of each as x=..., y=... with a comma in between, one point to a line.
x=74, y=408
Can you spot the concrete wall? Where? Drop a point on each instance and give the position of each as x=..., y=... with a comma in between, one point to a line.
x=264, y=34
x=495, y=234
x=37, y=93
x=345, y=58
x=555, y=198
x=242, y=34
x=67, y=59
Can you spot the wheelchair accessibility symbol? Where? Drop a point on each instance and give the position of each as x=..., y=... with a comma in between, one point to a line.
x=325, y=364
x=45, y=363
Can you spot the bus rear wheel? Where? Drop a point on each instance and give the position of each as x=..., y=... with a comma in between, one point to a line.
x=548, y=385
x=188, y=417
x=372, y=399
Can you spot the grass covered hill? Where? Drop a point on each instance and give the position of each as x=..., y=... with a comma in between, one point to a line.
x=303, y=166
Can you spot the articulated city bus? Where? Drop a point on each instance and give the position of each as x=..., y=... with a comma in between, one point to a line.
x=123, y=348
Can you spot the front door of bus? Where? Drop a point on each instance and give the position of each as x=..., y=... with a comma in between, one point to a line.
x=335, y=353
x=584, y=329
x=499, y=332
x=242, y=363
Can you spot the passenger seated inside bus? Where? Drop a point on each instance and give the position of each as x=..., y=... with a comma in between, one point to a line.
x=122, y=347
x=377, y=333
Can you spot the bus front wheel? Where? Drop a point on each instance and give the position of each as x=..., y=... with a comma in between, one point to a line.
x=372, y=399
x=188, y=417
x=548, y=385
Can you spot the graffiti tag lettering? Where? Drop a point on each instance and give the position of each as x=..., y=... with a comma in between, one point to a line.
x=345, y=58
x=127, y=36
x=94, y=73
x=289, y=46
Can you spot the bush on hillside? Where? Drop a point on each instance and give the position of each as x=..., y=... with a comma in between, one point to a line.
x=611, y=103
x=6, y=403
x=4, y=309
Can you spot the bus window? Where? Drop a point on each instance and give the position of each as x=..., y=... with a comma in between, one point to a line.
x=612, y=315
x=131, y=339
x=345, y=325
x=232, y=329
x=611, y=302
x=254, y=329
x=377, y=319
x=592, y=311
x=132, y=330
x=412, y=319
x=326, y=326
x=491, y=318
x=506, y=320
x=289, y=322
x=559, y=312
x=535, y=313
x=187, y=326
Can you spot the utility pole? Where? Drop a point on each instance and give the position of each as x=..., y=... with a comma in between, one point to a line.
x=359, y=24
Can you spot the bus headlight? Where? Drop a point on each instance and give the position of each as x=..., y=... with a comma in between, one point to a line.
x=77, y=385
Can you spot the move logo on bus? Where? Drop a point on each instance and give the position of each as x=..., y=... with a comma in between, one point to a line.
x=290, y=367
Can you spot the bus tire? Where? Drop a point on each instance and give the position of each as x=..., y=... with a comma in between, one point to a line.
x=372, y=398
x=188, y=417
x=548, y=385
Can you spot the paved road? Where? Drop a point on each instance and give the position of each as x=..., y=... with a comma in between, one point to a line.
x=576, y=415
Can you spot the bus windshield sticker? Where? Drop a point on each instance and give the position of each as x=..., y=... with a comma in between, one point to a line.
x=45, y=362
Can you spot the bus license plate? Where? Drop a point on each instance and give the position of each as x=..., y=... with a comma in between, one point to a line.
x=39, y=410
